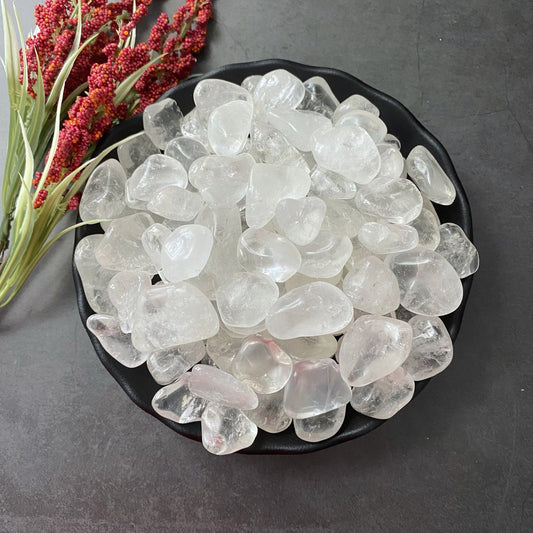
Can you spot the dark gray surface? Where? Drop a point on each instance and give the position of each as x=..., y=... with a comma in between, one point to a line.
x=76, y=455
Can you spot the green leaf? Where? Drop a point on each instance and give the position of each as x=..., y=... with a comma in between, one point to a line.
x=11, y=49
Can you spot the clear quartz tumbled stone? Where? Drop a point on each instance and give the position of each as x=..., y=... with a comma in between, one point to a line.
x=348, y=150
x=103, y=195
x=226, y=430
x=228, y=127
x=384, y=397
x=373, y=347
x=185, y=252
x=173, y=314
x=134, y=152
x=262, y=364
x=218, y=386
x=186, y=150
x=432, y=349
x=429, y=177
x=222, y=349
x=315, y=309
x=177, y=403
x=387, y=238
x=303, y=348
x=161, y=121
x=279, y=89
x=246, y=299
x=320, y=427
x=107, y=330
x=458, y=250
x=262, y=251
x=168, y=365
x=269, y=415
x=429, y=285
x=124, y=290
x=300, y=219
x=314, y=388
x=372, y=287
x=174, y=203
x=121, y=248
x=222, y=180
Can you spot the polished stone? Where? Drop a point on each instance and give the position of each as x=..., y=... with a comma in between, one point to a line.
x=320, y=427
x=166, y=366
x=458, y=250
x=161, y=121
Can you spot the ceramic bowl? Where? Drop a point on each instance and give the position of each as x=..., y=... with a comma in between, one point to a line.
x=138, y=384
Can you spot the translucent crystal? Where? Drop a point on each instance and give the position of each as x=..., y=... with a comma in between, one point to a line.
x=371, y=123
x=194, y=127
x=429, y=177
x=315, y=387
x=186, y=150
x=250, y=82
x=246, y=331
x=225, y=225
x=103, y=196
x=262, y=364
x=327, y=184
x=156, y=172
x=175, y=203
x=168, y=365
x=269, y=415
x=397, y=201
x=298, y=126
x=152, y=241
x=326, y=255
x=228, y=127
x=384, y=397
x=320, y=427
x=300, y=219
x=185, y=252
x=304, y=348
x=268, y=185
x=387, y=238
x=432, y=349
x=161, y=121
x=268, y=145
x=279, y=89
x=319, y=97
x=106, y=329
x=170, y=315
x=315, y=309
x=262, y=251
x=210, y=94
x=427, y=227
x=245, y=300
x=355, y=102
x=342, y=218
x=457, y=249
x=373, y=347
x=121, y=248
x=223, y=348
x=348, y=150
x=226, y=430
x=392, y=161
x=134, y=152
x=176, y=402
x=222, y=180
x=94, y=277
x=359, y=252
x=428, y=283
x=124, y=289
x=372, y=287
x=215, y=385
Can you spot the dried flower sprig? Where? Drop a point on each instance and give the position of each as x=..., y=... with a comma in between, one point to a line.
x=78, y=75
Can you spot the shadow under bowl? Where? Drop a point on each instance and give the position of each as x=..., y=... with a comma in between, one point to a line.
x=139, y=385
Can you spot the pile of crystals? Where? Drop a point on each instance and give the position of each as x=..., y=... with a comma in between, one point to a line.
x=279, y=260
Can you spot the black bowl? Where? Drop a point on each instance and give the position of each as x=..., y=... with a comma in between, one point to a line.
x=138, y=383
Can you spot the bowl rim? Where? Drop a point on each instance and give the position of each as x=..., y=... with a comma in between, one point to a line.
x=285, y=442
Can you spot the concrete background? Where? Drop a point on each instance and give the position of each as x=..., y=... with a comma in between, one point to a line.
x=76, y=455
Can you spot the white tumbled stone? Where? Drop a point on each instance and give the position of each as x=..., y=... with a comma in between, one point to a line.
x=168, y=365
x=228, y=127
x=387, y=238
x=429, y=176
x=315, y=387
x=161, y=121
x=300, y=219
x=186, y=150
x=269, y=415
x=279, y=89
x=320, y=427
x=373, y=347
x=134, y=152
x=315, y=309
x=458, y=250
x=432, y=349
x=176, y=402
x=384, y=397
x=429, y=285
x=304, y=348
